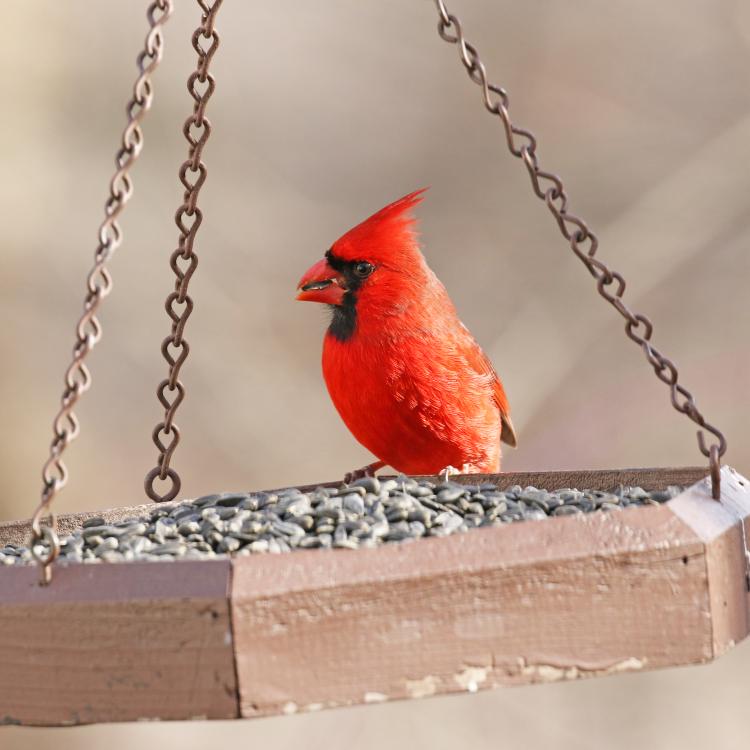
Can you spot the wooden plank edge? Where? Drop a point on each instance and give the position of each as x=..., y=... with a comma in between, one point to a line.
x=132, y=641
x=720, y=525
x=470, y=611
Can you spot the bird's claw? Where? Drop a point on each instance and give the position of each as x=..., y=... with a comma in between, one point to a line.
x=351, y=476
x=450, y=471
x=365, y=471
x=446, y=473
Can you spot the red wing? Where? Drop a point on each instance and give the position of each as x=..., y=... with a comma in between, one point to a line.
x=480, y=363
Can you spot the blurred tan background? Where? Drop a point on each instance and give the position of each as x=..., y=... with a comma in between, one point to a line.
x=323, y=113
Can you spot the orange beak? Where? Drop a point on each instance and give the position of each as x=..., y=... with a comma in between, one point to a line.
x=321, y=283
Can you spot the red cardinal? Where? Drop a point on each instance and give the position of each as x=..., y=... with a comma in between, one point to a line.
x=405, y=374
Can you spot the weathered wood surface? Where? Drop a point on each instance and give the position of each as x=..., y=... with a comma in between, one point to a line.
x=561, y=599
x=720, y=526
x=119, y=642
x=557, y=599
x=566, y=597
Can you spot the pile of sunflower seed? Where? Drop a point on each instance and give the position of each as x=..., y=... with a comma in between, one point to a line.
x=365, y=513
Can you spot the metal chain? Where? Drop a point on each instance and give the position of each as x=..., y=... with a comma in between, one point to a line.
x=45, y=544
x=179, y=304
x=583, y=242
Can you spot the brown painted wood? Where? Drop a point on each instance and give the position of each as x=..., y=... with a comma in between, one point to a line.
x=532, y=602
x=538, y=601
x=720, y=526
x=121, y=642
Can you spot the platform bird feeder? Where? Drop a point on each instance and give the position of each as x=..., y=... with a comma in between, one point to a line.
x=235, y=635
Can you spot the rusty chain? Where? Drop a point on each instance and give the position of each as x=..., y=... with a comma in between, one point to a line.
x=179, y=304
x=584, y=243
x=45, y=544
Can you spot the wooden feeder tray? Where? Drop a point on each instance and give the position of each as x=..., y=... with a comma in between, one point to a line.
x=537, y=601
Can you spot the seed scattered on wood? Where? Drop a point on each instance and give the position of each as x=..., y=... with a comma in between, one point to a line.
x=367, y=513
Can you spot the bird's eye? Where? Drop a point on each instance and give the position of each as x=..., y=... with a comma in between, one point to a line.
x=363, y=269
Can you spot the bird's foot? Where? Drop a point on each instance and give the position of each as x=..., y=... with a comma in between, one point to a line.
x=450, y=471
x=365, y=471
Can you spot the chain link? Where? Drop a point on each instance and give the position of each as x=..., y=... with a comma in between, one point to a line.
x=184, y=261
x=44, y=542
x=584, y=243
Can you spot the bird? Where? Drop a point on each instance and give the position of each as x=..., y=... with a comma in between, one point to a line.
x=404, y=373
